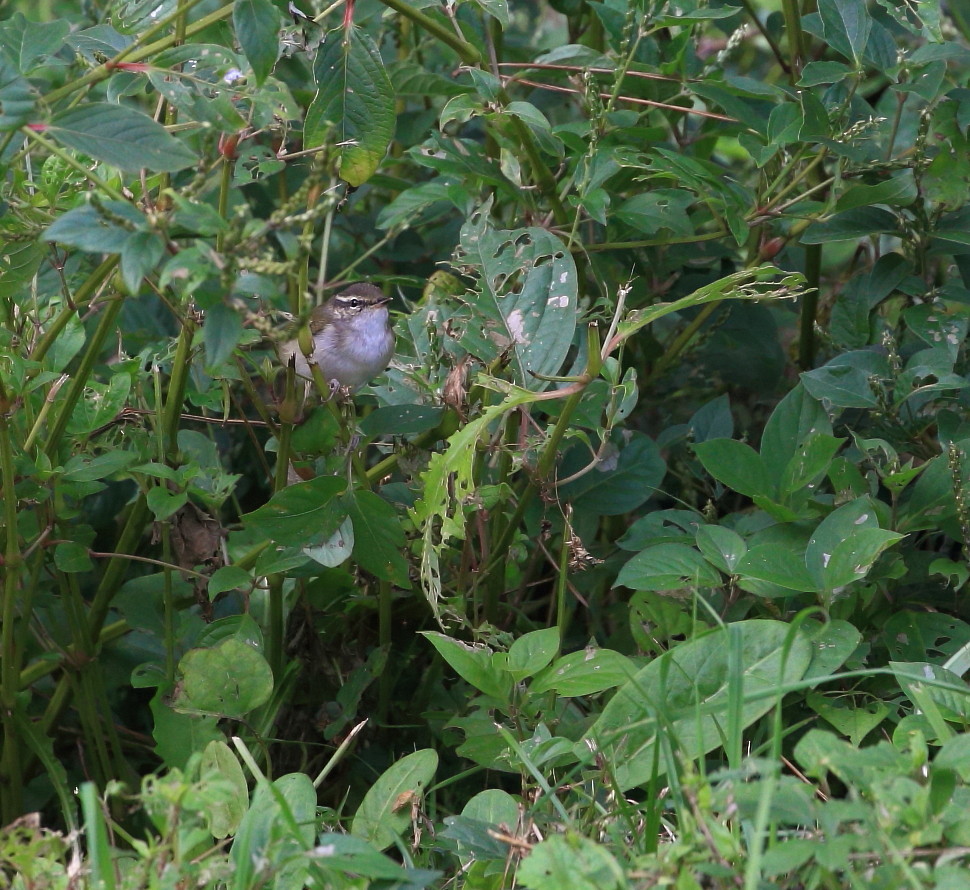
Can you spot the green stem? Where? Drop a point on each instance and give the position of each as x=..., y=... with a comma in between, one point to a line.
x=10, y=774
x=465, y=51
x=796, y=50
x=40, y=669
x=54, y=149
x=116, y=567
x=106, y=327
x=806, y=333
x=106, y=69
x=679, y=343
x=82, y=297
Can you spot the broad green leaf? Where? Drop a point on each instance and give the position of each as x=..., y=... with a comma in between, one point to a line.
x=401, y=420
x=650, y=212
x=775, y=564
x=385, y=811
x=584, y=673
x=668, y=567
x=140, y=254
x=843, y=386
x=531, y=652
x=229, y=792
x=796, y=418
x=378, y=536
x=474, y=664
x=722, y=547
x=684, y=696
x=278, y=827
x=846, y=26
x=230, y=679
x=900, y=191
x=257, y=25
x=30, y=43
x=736, y=465
x=99, y=404
x=354, y=104
x=935, y=689
x=120, y=136
x=70, y=556
x=228, y=578
x=86, y=228
x=302, y=514
x=493, y=806
x=525, y=306
x=860, y=222
x=220, y=333
x=336, y=549
x=840, y=528
x=82, y=468
x=573, y=861
x=853, y=557
x=17, y=97
x=614, y=486
x=809, y=463
x=921, y=636
x=853, y=721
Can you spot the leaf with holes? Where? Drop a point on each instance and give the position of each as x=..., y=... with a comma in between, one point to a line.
x=525, y=304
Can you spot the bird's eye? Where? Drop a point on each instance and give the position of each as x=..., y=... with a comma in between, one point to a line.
x=355, y=303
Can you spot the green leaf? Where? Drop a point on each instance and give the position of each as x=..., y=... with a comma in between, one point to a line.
x=401, y=420
x=69, y=556
x=851, y=720
x=230, y=679
x=815, y=73
x=860, y=222
x=775, y=564
x=845, y=544
x=473, y=663
x=120, y=136
x=220, y=769
x=721, y=547
x=572, y=861
x=378, y=537
x=385, y=811
x=736, y=465
x=301, y=515
x=221, y=332
x=99, y=404
x=650, y=212
x=584, y=673
x=257, y=25
x=616, y=485
x=278, y=827
x=900, y=191
x=17, y=97
x=354, y=104
x=668, y=567
x=846, y=26
x=844, y=386
x=28, y=43
x=809, y=464
x=87, y=228
x=526, y=304
x=228, y=578
x=684, y=697
x=82, y=468
x=531, y=652
x=140, y=254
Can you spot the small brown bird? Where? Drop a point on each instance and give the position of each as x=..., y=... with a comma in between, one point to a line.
x=352, y=338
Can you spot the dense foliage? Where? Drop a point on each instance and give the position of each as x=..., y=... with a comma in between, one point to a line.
x=643, y=563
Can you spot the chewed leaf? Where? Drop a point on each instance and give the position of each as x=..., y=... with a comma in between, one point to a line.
x=525, y=307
